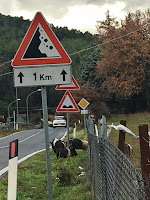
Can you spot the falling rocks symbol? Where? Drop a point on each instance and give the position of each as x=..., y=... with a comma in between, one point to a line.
x=41, y=46
x=33, y=50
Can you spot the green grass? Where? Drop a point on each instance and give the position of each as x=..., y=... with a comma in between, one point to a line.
x=132, y=122
x=67, y=184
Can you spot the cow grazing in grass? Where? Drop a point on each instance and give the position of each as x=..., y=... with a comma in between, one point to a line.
x=63, y=153
x=78, y=144
x=57, y=144
x=59, y=148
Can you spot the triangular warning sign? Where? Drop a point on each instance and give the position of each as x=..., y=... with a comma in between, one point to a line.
x=40, y=46
x=67, y=104
x=73, y=86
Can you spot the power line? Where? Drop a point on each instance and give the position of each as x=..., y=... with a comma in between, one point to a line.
x=6, y=73
x=97, y=45
x=5, y=63
x=109, y=41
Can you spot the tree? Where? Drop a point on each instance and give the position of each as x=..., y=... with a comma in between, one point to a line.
x=125, y=54
x=88, y=67
x=3, y=108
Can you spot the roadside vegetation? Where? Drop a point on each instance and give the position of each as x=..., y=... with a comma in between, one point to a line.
x=71, y=177
x=8, y=130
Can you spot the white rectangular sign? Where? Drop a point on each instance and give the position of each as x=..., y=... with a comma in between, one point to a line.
x=84, y=112
x=42, y=76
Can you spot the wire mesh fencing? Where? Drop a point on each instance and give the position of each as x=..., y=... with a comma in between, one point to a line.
x=113, y=175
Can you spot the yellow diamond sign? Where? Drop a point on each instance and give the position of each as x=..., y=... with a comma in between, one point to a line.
x=83, y=103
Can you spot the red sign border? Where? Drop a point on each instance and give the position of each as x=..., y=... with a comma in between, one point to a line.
x=64, y=87
x=18, y=61
x=63, y=99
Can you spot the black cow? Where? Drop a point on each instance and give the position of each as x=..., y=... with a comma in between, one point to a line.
x=78, y=144
x=57, y=144
x=59, y=148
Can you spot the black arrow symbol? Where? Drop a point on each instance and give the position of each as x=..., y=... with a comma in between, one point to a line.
x=63, y=73
x=20, y=75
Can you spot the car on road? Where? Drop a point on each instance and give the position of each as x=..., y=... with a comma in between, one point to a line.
x=59, y=121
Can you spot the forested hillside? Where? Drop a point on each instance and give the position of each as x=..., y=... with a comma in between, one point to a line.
x=113, y=74
x=12, y=31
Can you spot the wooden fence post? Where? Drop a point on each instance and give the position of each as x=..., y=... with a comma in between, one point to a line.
x=145, y=156
x=145, y=152
x=121, y=141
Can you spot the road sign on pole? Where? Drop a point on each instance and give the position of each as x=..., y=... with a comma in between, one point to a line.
x=40, y=46
x=83, y=112
x=83, y=103
x=73, y=86
x=41, y=76
x=41, y=60
x=67, y=104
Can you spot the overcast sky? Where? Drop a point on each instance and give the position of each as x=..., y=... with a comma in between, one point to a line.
x=78, y=14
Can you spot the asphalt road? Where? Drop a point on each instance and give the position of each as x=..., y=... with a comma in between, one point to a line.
x=29, y=142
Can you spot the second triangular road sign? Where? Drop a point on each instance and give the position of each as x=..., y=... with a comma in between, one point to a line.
x=73, y=86
x=67, y=104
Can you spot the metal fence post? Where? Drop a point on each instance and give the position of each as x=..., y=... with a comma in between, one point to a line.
x=100, y=127
x=90, y=132
x=104, y=127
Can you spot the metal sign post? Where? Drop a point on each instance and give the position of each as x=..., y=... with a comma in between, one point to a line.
x=41, y=60
x=48, y=157
x=83, y=104
x=84, y=125
x=68, y=130
x=67, y=104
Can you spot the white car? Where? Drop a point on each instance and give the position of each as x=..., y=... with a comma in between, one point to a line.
x=59, y=121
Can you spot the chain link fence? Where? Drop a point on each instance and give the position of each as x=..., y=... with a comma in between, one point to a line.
x=113, y=176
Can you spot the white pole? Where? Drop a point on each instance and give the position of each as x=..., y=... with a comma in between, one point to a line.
x=96, y=130
x=74, y=130
x=12, y=171
x=12, y=179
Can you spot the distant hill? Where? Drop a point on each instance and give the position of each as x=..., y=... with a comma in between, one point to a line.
x=12, y=32
x=13, y=29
